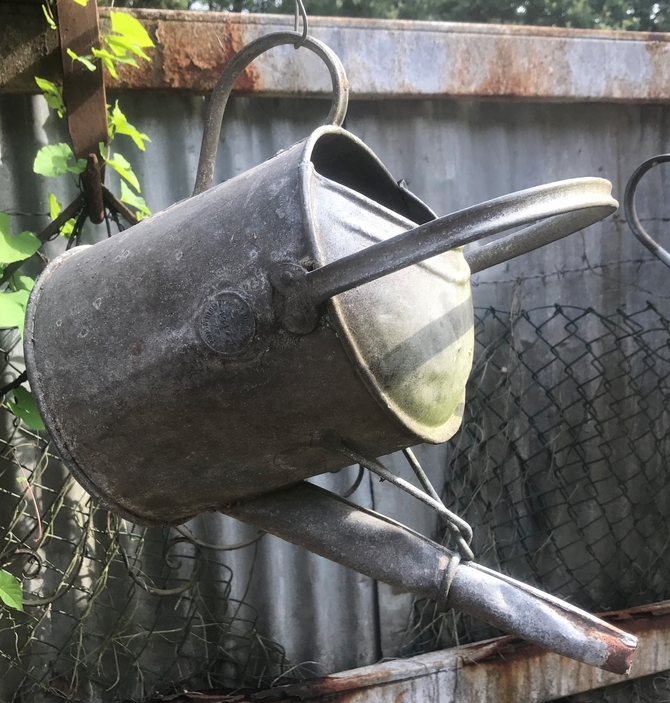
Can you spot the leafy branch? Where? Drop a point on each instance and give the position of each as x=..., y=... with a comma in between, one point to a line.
x=124, y=45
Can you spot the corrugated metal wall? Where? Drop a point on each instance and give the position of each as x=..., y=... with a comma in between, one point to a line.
x=452, y=154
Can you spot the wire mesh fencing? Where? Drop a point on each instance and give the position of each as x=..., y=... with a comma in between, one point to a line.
x=561, y=466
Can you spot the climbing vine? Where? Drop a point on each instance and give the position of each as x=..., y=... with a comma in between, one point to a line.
x=126, y=43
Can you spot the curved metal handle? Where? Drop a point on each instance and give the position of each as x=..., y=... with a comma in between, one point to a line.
x=573, y=204
x=225, y=84
x=630, y=210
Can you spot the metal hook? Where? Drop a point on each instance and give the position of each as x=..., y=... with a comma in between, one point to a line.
x=236, y=66
x=630, y=210
x=300, y=12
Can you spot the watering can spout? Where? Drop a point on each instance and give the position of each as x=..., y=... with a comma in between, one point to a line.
x=540, y=618
x=388, y=551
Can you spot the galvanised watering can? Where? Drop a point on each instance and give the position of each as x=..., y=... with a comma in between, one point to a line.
x=305, y=315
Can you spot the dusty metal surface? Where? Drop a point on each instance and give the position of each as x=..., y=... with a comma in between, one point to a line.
x=390, y=552
x=506, y=669
x=214, y=349
x=466, y=60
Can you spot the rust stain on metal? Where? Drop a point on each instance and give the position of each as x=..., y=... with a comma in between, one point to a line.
x=83, y=90
x=337, y=688
x=499, y=651
x=507, y=665
x=508, y=70
x=188, y=56
x=484, y=61
x=509, y=648
x=400, y=696
x=194, y=55
x=643, y=618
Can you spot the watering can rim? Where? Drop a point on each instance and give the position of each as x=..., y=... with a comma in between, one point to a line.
x=336, y=305
x=591, y=192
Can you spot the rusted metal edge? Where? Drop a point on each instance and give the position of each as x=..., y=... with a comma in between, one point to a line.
x=502, y=669
x=419, y=59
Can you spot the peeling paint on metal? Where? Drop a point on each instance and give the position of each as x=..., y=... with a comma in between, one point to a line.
x=383, y=58
x=506, y=670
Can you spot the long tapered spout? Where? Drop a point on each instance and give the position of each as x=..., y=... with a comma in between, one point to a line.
x=386, y=550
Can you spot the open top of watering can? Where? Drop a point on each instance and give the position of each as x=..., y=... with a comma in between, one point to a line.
x=409, y=334
x=304, y=315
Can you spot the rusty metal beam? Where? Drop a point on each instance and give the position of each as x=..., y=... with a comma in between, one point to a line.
x=503, y=669
x=384, y=59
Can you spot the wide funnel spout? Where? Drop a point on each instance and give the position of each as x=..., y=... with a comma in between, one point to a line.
x=386, y=550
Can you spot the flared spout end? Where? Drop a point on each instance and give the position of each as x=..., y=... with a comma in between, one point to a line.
x=541, y=619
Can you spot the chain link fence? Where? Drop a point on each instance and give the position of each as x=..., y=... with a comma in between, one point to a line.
x=560, y=467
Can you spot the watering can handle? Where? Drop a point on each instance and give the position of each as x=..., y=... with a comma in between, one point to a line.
x=235, y=68
x=550, y=212
x=572, y=205
x=630, y=210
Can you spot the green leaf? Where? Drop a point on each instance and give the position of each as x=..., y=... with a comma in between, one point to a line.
x=55, y=210
x=53, y=160
x=136, y=201
x=13, y=309
x=53, y=94
x=82, y=59
x=21, y=282
x=122, y=166
x=106, y=58
x=127, y=26
x=10, y=590
x=50, y=19
x=67, y=229
x=110, y=59
x=25, y=408
x=15, y=248
x=121, y=45
x=119, y=124
x=54, y=206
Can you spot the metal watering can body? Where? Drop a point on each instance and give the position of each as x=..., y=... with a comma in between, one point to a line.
x=304, y=315
x=164, y=346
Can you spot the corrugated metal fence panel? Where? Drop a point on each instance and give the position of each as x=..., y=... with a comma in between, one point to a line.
x=452, y=154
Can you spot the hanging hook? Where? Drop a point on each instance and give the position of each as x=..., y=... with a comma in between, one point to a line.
x=300, y=12
x=631, y=211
